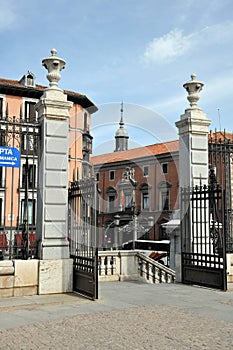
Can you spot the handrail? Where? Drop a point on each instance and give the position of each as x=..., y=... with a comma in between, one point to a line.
x=153, y=271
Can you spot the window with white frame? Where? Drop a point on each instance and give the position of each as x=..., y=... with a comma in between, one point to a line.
x=111, y=197
x=164, y=168
x=29, y=111
x=1, y=212
x=145, y=201
x=28, y=211
x=146, y=170
x=29, y=175
x=112, y=175
x=164, y=196
x=128, y=200
x=164, y=199
x=145, y=197
x=28, y=143
x=1, y=107
x=1, y=177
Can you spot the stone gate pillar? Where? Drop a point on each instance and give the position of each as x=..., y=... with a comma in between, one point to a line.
x=193, y=153
x=52, y=201
x=193, y=135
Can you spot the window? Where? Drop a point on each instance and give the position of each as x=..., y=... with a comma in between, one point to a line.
x=164, y=199
x=164, y=168
x=145, y=197
x=163, y=234
x=1, y=177
x=97, y=176
x=87, y=143
x=28, y=211
x=86, y=170
x=3, y=138
x=111, y=196
x=1, y=216
x=29, y=112
x=85, y=122
x=145, y=171
x=31, y=176
x=145, y=201
x=30, y=80
x=28, y=143
x=1, y=108
x=128, y=200
x=112, y=175
x=164, y=195
x=111, y=205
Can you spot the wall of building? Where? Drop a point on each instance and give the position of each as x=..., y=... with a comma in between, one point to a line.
x=154, y=178
x=14, y=95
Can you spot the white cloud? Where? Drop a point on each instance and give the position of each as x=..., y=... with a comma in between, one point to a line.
x=175, y=44
x=7, y=15
x=168, y=47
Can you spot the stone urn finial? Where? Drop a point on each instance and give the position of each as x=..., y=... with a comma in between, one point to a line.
x=193, y=87
x=54, y=65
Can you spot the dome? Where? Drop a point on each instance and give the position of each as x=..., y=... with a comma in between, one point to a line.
x=121, y=132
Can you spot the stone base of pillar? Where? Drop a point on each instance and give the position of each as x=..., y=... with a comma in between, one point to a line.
x=55, y=276
x=53, y=250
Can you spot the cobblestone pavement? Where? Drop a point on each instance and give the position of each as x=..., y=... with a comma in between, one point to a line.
x=127, y=316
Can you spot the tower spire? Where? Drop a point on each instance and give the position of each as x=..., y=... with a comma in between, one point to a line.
x=122, y=110
x=121, y=135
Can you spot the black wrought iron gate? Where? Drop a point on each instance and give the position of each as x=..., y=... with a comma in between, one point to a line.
x=82, y=237
x=203, y=243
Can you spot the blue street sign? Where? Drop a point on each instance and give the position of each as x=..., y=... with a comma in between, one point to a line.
x=9, y=157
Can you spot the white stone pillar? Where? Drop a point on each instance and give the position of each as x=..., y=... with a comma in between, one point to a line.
x=53, y=115
x=193, y=133
x=193, y=154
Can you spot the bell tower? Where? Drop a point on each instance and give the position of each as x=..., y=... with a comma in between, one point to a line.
x=121, y=135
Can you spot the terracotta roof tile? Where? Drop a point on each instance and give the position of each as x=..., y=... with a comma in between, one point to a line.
x=16, y=83
x=86, y=103
x=136, y=153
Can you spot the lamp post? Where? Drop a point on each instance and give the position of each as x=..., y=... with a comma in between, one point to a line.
x=25, y=242
x=133, y=226
x=115, y=222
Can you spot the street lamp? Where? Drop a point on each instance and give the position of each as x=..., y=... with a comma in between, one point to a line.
x=135, y=227
x=115, y=222
x=150, y=221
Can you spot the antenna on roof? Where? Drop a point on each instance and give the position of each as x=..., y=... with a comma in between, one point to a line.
x=219, y=119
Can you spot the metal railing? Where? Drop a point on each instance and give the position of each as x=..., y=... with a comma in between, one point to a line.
x=19, y=247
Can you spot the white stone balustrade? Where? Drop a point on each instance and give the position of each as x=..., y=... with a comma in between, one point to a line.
x=128, y=265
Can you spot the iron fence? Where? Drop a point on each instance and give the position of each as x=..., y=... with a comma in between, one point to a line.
x=220, y=161
x=18, y=187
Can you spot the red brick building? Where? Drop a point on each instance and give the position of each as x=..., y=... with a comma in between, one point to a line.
x=155, y=170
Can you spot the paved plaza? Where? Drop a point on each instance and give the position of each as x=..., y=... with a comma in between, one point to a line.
x=128, y=315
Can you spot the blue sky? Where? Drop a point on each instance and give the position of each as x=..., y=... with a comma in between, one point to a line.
x=138, y=51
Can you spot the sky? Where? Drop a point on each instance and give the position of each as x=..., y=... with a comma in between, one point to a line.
x=140, y=52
